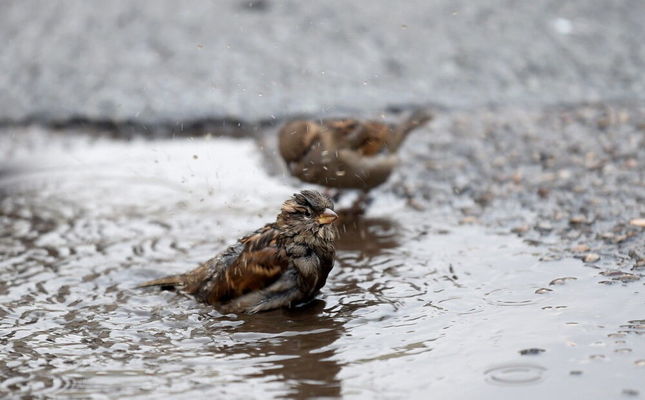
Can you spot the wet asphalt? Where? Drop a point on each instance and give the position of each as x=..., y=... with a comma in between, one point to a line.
x=160, y=61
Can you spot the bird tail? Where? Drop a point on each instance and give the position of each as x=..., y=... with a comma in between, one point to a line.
x=416, y=119
x=188, y=282
x=170, y=281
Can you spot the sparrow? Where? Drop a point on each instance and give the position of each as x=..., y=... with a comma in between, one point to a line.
x=282, y=264
x=345, y=153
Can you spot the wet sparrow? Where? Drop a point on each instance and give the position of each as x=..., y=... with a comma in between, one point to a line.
x=282, y=264
x=345, y=153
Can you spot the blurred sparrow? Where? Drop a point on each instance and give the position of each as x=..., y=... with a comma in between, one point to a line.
x=282, y=264
x=345, y=153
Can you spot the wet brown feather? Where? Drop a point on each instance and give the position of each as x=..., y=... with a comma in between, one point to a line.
x=280, y=264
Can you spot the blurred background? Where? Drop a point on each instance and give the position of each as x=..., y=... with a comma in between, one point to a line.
x=164, y=61
x=503, y=257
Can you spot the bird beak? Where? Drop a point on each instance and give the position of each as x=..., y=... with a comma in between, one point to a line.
x=327, y=217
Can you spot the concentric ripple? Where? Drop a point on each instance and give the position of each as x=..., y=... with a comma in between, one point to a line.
x=515, y=374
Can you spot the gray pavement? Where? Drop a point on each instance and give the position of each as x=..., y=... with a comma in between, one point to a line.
x=165, y=61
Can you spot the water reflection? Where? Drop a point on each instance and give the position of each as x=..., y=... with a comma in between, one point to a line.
x=369, y=237
x=301, y=342
x=303, y=339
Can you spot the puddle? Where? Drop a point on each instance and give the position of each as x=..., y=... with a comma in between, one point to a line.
x=415, y=302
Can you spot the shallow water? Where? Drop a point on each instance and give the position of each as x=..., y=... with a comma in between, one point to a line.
x=416, y=303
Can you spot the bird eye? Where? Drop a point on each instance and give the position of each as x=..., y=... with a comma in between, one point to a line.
x=307, y=212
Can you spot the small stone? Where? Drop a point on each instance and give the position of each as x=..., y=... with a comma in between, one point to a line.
x=543, y=192
x=630, y=392
x=562, y=281
x=416, y=205
x=550, y=257
x=639, y=363
x=631, y=163
x=468, y=220
x=581, y=248
x=618, y=275
x=575, y=372
x=564, y=174
x=520, y=229
x=603, y=122
x=623, y=350
x=531, y=352
x=640, y=222
x=620, y=238
x=543, y=290
x=577, y=219
x=625, y=278
x=591, y=257
x=544, y=226
x=195, y=157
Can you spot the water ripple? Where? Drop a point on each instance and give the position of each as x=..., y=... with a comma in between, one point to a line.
x=409, y=300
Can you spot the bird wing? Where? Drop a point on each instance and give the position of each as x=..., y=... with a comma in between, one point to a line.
x=343, y=126
x=366, y=137
x=254, y=263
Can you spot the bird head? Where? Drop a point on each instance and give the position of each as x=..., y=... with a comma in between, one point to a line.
x=309, y=212
x=296, y=138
